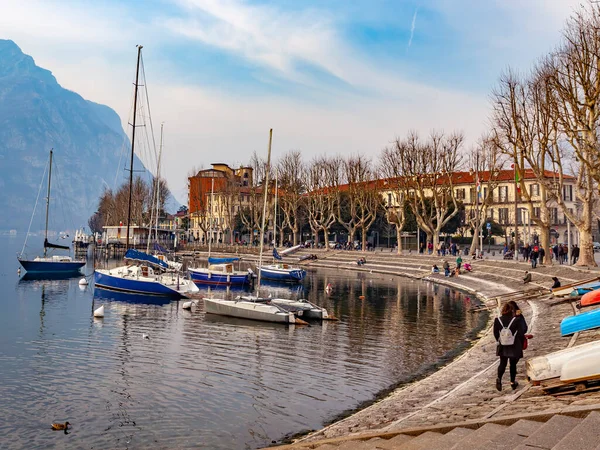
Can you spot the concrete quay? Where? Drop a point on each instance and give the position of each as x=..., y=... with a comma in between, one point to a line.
x=458, y=406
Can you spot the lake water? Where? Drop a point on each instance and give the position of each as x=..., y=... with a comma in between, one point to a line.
x=204, y=381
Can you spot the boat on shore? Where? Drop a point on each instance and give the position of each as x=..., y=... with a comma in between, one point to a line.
x=582, y=368
x=550, y=366
x=569, y=288
x=580, y=322
x=590, y=298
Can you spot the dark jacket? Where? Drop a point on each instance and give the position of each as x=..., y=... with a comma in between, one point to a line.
x=519, y=326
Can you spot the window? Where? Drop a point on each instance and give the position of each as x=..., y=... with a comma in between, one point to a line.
x=536, y=211
x=472, y=195
x=460, y=194
x=389, y=199
x=554, y=216
x=491, y=213
x=485, y=191
x=503, y=194
x=568, y=193
x=534, y=190
x=503, y=215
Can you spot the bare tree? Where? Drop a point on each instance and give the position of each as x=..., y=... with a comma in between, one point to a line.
x=291, y=189
x=322, y=177
x=429, y=168
x=251, y=197
x=397, y=187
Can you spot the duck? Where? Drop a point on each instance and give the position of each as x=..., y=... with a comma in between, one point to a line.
x=145, y=336
x=60, y=426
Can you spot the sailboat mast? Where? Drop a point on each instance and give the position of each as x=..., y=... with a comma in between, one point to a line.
x=158, y=181
x=137, y=76
x=275, y=213
x=48, y=204
x=265, y=192
x=210, y=222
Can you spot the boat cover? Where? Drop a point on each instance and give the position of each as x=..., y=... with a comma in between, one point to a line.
x=212, y=260
x=145, y=258
x=50, y=245
x=160, y=248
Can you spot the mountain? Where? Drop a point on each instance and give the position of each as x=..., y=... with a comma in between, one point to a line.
x=37, y=114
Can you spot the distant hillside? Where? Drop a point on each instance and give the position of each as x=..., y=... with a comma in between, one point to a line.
x=37, y=114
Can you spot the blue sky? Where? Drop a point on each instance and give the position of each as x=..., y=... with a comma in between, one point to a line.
x=329, y=76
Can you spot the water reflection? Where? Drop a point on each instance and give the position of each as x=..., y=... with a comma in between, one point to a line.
x=205, y=380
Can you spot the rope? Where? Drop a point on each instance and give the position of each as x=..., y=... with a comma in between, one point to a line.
x=35, y=207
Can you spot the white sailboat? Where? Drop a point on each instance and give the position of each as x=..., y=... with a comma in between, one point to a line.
x=254, y=308
x=147, y=274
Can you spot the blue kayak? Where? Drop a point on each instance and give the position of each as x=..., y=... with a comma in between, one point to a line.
x=581, y=290
x=580, y=322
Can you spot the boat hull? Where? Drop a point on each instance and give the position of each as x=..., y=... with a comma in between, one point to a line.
x=569, y=288
x=141, y=285
x=582, y=368
x=247, y=310
x=285, y=275
x=580, y=322
x=204, y=277
x=52, y=266
x=549, y=366
x=591, y=298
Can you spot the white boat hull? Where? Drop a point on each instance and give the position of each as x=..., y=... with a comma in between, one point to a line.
x=309, y=310
x=248, y=310
x=551, y=365
x=582, y=368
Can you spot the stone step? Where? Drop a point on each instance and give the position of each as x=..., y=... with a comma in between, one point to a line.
x=550, y=433
x=479, y=436
x=425, y=441
x=513, y=435
x=584, y=436
x=394, y=442
x=359, y=445
x=451, y=437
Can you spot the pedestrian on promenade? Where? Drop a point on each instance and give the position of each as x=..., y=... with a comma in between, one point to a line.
x=575, y=253
x=446, y=267
x=556, y=283
x=533, y=256
x=561, y=254
x=509, y=331
x=527, y=277
x=542, y=254
x=435, y=269
x=430, y=247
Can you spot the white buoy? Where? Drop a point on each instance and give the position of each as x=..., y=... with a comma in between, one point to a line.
x=187, y=305
x=83, y=282
x=19, y=271
x=99, y=312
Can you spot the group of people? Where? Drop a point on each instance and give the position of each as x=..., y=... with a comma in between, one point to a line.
x=533, y=253
x=561, y=253
x=452, y=272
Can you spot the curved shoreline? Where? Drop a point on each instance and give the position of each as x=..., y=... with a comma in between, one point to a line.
x=463, y=389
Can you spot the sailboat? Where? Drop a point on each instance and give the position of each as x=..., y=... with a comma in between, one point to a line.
x=220, y=270
x=280, y=271
x=55, y=263
x=254, y=308
x=146, y=274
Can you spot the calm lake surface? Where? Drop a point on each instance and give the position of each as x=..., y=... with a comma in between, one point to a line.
x=204, y=381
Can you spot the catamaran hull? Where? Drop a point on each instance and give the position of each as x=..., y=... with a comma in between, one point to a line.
x=247, y=310
x=51, y=266
x=104, y=280
x=288, y=276
x=204, y=278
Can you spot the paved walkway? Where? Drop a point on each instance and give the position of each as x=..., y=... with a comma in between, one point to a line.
x=464, y=389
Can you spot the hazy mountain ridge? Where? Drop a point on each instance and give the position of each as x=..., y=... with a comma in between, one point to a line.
x=37, y=114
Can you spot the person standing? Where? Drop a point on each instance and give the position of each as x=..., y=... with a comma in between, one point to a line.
x=458, y=262
x=575, y=253
x=513, y=323
x=446, y=267
x=533, y=256
x=542, y=255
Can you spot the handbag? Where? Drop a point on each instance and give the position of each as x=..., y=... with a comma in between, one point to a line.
x=525, y=342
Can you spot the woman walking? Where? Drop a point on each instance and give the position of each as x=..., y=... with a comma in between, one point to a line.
x=509, y=331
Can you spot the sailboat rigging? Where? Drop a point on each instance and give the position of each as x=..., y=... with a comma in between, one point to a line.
x=55, y=263
x=147, y=274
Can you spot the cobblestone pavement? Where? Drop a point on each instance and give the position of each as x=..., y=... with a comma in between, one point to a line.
x=465, y=388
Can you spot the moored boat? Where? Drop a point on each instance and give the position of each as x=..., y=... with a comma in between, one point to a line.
x=580, y=322
x=244, y=309
x=219, y=274
x=550, y=366
x=309, y=309
x=282, y=272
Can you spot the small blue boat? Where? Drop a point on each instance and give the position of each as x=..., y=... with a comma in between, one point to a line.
x=580, y=322
x=581, y=290
x=282, y=272
x=220, y=275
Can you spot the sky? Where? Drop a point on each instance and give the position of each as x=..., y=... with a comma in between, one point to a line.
x=329, y=76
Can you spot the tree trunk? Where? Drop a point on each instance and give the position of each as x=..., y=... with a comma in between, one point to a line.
x=326, y=239
x=586, y=249
x=399, y=239
x=545, y=243
x=364, y=239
